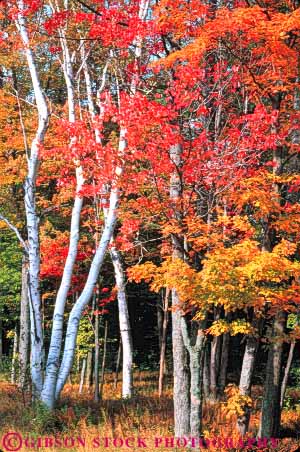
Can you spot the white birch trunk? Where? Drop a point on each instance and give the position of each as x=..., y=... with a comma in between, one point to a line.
x=125, y=330
x=107, y=234
x=246, y=381
x=76, y=312
x=24, y=326
x=48, y=392
x=37, y=345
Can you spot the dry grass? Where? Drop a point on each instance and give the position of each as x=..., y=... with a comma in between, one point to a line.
x=145, y=416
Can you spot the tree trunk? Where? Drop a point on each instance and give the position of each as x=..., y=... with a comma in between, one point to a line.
x=246, y=380
x=107, y=234
x=181, y=396
x=206, y=375
x=83, y=368
x=215, y=361
x=270, y=414
x=181, y=374
x=162, y=361
x=103, y=359
x=24, y=327
x=86, y=294
x=286, y=372
x=124, y=322
x=159, y=317
x=96, y=360
x=196, y=354
x=32, y=223
x=118, y=364
x=48, y=393
x=215, y=345
x=89, y=370
x=14, y=358
x=224, y=361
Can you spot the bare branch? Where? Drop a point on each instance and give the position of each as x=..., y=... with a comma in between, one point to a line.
x=16, y=231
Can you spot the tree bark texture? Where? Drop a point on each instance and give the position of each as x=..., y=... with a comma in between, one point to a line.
x=196, y=355
x=124, y=323
x=181, y=396
x=24, y=326
x=270, y=414
x=287, y=372
x=246, y=380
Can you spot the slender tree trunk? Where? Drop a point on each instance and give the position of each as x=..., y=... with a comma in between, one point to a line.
x=83, y=369
x=107, y=234
x=48, y=393
x=124, y=322
x=84, y=298
x=159, y=318
x=89, y=370
x=196, y=354
x=270, y=414
x=246, y=380
x=224, y=361
x=181, y=386
x=181, y=375
x=286, y=372
x=103, y=358
x=14, y=358
x=162, y=361
x=271, y=409
x=24, y=326
x=206, y=375
x=118, y=364
x=215, y=361
x=215, y=344
x=96, y=361
x=32, y=223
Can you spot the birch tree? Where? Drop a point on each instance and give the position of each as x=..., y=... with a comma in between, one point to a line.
x=36, y=333
x=49, y=389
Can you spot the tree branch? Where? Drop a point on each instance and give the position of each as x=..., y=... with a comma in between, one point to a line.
x=16, y=231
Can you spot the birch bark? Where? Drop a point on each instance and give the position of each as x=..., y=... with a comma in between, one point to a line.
x=32, y=222
x=246, y=378
x=24, y=326
x=48, y=392
x=124, y=323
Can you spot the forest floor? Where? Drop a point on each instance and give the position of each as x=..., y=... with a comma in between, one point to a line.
x=145, y=422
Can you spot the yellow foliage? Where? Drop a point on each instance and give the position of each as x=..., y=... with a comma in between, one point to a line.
x=239, y=326
x=236, y=402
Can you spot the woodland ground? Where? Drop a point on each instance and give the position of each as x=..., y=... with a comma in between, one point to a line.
x=145, y=416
